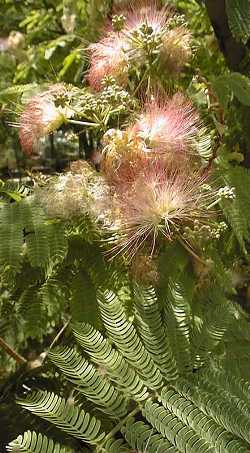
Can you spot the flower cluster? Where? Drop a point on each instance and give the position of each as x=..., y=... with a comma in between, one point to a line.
x=168, y=125
x=141, y=35
x=159, y=202
x=156, y=191
x=61, y=104
x=149, y=188
x=152, y=186
x=169, y=128
x=78, y=192
x=14, y=42
x=204, y=233
x=43, y=114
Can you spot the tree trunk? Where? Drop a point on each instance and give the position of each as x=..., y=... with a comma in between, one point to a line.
x=233, y=50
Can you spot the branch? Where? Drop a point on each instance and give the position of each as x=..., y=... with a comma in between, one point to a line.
x=233, y=50
x=39, y=361
x=59, y=334
x=7, y=348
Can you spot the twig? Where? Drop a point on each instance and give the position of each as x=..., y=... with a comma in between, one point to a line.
x=188, y=248
x=59, y=334
x=141, y=81
x=17, y=357
x=117, y=428
x=83, y=123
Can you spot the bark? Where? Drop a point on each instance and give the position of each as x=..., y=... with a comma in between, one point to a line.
x=235, y=53
x=7, y=348
x=233, y=50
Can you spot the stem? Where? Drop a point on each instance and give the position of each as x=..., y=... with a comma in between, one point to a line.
x=191, y=252
x=59, y=334
x=83, y=123
x=141, y=81
x=213, y=204
x=17, y=357
x=117, y=428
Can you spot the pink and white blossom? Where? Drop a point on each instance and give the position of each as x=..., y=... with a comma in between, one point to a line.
x=108, y=58
x=168, y=125
x=40, y=117
x=159, y=202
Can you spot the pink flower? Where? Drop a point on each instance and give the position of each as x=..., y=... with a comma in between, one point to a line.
x=176, y=49
x=146, y=12
x=40, y=117
x=161, y=201
x=168, y=126
x=123, y=156
x=108, y=58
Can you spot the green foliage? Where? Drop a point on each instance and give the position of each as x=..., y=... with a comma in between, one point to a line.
x=238, y=211
x=238, y=12
x=37, y=443
x=202, y=409
x=161, y=366
x=232, y=84
x=24, y=229
x=71, y=419
x=89, y=382
x=155, y=335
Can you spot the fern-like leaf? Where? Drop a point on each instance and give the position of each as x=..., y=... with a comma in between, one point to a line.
x=172, y=428
x=68, y=417
x=216, y=404
x=114, y=364
x=153, y=331
x=11, y=236
x=237, y=211
x=179, y=322
x=89, y=382
x=31, y=442
x=203, y=425
x=126, y=339
x=143, y=437
x=214, y=324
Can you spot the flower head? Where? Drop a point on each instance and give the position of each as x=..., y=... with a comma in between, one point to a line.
x=176, y=50
x=108, y=58
x=142, y=34
x=79, y=192
x=144, y=28
x=41, y=117
x=161, y=201
x=168, y=126
x=146, y=12
x=123, y=156
x=16, y=40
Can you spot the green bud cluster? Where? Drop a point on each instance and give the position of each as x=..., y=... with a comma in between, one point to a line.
x=118, y=22
x=112, y=99
x=176, y=21
x=146, y=39
x=113, y=95
x=88, y=103
x=62, y=98
x=226, y=193
x=217, y=231
x=206, y=187
x=201, y=233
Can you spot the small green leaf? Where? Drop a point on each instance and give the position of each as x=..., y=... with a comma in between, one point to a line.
x=240, y=86
x=222, y=90
x=238, y=13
